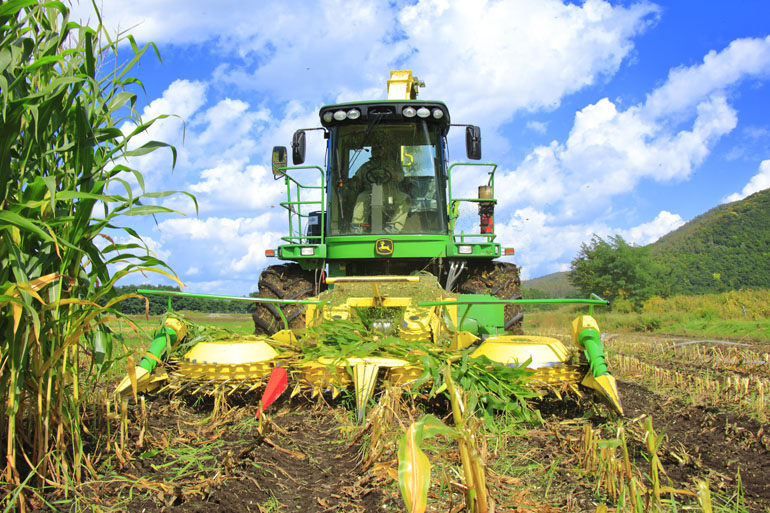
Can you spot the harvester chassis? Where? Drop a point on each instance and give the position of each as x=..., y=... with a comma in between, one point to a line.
x=290, y=281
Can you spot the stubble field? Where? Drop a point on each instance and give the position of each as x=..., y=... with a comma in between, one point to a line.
x=694, y=438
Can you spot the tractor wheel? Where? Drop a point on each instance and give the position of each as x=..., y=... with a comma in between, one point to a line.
x=287, y=281
x=500, y=279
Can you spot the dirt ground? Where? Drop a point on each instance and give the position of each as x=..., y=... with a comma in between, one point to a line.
x=301, y=462
x=703, y=442
x=197, y=456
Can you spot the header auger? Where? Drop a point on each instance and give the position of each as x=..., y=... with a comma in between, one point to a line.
x=383, y=265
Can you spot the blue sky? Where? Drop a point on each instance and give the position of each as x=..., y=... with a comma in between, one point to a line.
x=623, y=118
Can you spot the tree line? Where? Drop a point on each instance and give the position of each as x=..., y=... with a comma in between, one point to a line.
x=160, y=304
x=629, y=275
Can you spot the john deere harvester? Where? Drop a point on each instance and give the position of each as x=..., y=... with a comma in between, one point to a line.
x=375, y=238
x=383, y=206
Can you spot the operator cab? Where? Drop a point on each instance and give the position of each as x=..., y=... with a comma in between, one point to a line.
x=386, y=178
x=386, y=168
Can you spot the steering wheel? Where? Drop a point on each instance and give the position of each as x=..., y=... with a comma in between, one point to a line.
x=378, y=176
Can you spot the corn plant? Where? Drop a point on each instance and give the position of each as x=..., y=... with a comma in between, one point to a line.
x=65, y=183
x=414, y=466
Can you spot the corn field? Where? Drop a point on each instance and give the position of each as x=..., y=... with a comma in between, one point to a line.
x=694, y=437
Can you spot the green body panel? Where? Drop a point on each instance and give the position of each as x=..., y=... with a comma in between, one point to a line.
x=404, y=246
x=480, y=319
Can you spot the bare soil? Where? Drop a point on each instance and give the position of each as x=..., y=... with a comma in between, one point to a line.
x=195, y=456
x=301, y=462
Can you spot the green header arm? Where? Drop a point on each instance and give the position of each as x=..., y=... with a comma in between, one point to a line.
x=591, y=302
x=236, y=298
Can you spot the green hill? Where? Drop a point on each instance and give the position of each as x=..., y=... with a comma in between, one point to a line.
x=550, y=285
x=726, y=248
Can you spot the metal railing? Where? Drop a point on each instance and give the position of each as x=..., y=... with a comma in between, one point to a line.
x=454, y=204
x=295, y=206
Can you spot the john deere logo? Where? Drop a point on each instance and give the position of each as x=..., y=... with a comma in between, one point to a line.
x=383, y=247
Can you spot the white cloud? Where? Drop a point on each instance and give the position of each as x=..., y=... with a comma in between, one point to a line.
x=486, y=59
x=542, y=245
x=232, y=186
x=545, y=245
x=220, y=230
x=609, y=151
x=648, y=233
x=490, y=59
x=758, y=182
x=539, y=127
x=180, y=101
x=686, y=86
x=192, y=21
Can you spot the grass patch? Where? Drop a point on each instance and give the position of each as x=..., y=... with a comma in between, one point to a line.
x=735, y=315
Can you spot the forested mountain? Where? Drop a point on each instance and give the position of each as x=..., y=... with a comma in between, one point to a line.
x=726, y=248
x=550, y=285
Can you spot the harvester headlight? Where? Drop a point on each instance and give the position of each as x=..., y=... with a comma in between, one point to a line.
x=354, y=114
x=328, y=116
x=307, y=251
x=409, y=112
x=340, y=115
x=423, y=112
x=465, y=250
x=438, y=113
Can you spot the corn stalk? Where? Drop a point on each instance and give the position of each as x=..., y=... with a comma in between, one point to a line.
x=414, y=466
x=64, y=185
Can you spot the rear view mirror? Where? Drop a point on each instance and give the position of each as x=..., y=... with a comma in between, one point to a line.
x=279, y=161
x=473, y=142
x=298, y=147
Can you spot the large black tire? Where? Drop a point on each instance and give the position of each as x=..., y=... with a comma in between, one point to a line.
x=500, y=279
x=286, y=281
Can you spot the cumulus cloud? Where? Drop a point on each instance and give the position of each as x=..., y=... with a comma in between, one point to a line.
x=648, y=233
x=223, y=249
x=608, y=151
x=758, y=182
x=517, y=55
x=180, y=101
x=234, y=185
x=542, y=245
x=487, y=59
x=685, y=86
x=546, y=245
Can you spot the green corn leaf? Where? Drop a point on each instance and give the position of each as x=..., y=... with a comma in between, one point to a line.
x=144, y=210
x=149, y=147
x=8, y=218
x=14, y=6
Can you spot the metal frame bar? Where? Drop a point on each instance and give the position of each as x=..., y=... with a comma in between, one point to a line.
x=490, y=237
x=290, y=205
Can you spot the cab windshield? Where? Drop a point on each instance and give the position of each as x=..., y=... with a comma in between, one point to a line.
x=386, y=179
